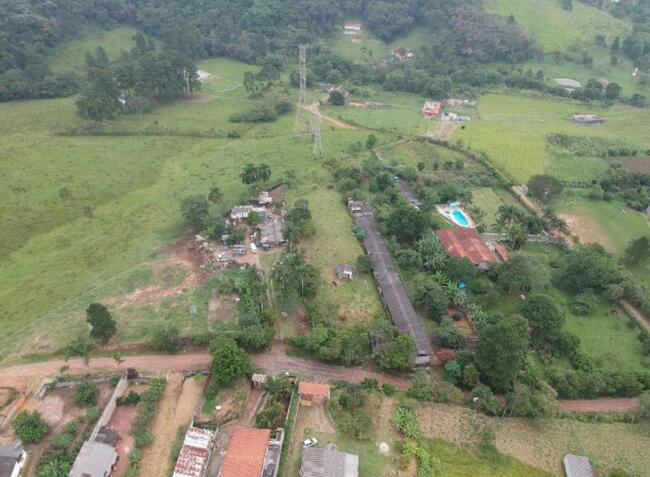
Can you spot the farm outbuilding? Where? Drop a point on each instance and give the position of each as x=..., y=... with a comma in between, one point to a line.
x=271, y=232
x=431, y=109
x=403, y=54
x=313, y=393
x=577, y=466
x=352, y=28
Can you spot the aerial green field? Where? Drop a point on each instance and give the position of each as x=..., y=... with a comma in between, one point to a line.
x=100, y=206
x=71, y=56
x=558, y=29
x=367, y=48
x=513, y=127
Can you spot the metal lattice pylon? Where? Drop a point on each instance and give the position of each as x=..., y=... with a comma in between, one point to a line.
x=315, y=131
x=302, y=98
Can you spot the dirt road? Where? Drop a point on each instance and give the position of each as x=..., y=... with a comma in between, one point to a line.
x=27, y=376
x=312, y=108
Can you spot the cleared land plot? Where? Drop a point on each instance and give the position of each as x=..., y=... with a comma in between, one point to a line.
x=513, y=129
x=578, y=169
x=555, y=28
x=543, y=443
x=71, y=56
x=637, y=165
x=367, y=48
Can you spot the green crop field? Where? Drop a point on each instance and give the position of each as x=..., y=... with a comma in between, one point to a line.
x=513, y=128
x=84, y=216
x=71, y=56
x=558, y=29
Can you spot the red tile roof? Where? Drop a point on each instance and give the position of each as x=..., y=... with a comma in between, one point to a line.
x=245, y=454
x=466, y=243
x=314, y=389
x=502, y=251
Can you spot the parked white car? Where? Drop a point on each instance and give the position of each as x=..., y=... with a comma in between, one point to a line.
x=311, y=442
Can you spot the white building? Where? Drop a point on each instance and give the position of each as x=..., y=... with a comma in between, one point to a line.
x=194, y=457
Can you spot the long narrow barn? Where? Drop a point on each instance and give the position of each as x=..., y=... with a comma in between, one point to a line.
x=390, y=285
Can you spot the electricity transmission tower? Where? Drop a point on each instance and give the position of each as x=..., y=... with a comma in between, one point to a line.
x=302, y=98
x=315, y=131
x=314, y=112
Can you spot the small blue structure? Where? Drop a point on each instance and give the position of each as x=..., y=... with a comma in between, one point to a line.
x=194, y=310
x=461, y=286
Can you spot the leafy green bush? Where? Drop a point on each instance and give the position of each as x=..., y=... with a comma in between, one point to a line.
x=167, y=339
x=583, y=304
x=86, y=394
x=30, y=427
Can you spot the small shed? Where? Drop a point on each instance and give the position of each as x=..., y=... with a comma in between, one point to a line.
x=587, y=119
x=328, y=462
x=258, y=379
x=344, y=271
x=577, y=466
x=352, y=28
x=271, y=232
x=95, y=459
x=403, y=54
x=501, y=252
x=313, y=393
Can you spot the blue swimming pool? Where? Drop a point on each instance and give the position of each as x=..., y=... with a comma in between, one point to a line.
x=460, y=218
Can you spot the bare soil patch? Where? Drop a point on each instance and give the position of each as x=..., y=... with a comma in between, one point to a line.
x=175, y=410
x=184, y=254
x=637, y=165
x=587, y=230
x=220, y=307
x=445, y=129
x=121, y=422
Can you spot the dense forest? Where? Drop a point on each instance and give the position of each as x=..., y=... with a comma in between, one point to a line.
x=465, y=42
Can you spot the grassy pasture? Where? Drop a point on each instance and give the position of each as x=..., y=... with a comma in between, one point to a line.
x=367, y=48
x=513, y=127
x=71, y=56
x=59, y=260
x=489, y=200
x=556, y=29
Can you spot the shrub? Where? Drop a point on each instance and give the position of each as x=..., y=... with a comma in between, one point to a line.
x=356, y=424
x=447, y=335
x=453, y=371
x=30, y=427
x=130, y=399
x=167, y=339
x=53, y=465
x=388, y=389
x=271, y=416
x=86, y=394
x=583, y=304
x=470, y=376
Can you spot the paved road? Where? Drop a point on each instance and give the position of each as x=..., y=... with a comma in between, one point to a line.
x=26, y=376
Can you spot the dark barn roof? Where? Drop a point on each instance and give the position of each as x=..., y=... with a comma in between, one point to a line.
x=388, y=280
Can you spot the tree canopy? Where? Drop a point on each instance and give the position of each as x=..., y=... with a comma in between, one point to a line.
x=102, y=322
x=229, y=361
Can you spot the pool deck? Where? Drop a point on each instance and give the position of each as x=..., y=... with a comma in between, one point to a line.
x=446, y=211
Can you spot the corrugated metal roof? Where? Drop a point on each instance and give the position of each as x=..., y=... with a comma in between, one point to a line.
x=95, y=459
x=577, y=466
x=328, y=462
x=195, y=454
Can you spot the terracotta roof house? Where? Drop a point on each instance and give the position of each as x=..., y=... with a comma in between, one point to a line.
x=194, y=456
x=501, y=252
x=313, y=392
x=12, y=460
x=431, y=109
x=577, y=466
x=246, y=452
x=467, y=243
x=328, y=462
x=95, y=459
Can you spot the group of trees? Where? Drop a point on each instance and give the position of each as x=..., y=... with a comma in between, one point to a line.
x=134, y=83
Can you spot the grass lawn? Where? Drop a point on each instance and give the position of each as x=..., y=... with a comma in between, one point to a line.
x=489, y=200
x=71, y=56
x=119, y=209
x=556, y=29
x=513, y=128
x=604, y=337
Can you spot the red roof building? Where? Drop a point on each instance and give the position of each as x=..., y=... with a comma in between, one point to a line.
x=502, y=252
x=431, y=109
x=313, y=392
x=245, y=453
x=466, y=243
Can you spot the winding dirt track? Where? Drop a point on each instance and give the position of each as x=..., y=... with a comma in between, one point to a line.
x=26, y=376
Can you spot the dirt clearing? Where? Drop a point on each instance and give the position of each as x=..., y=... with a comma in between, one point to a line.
x=587, y=230
x=175, y=410
x=445, y=129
